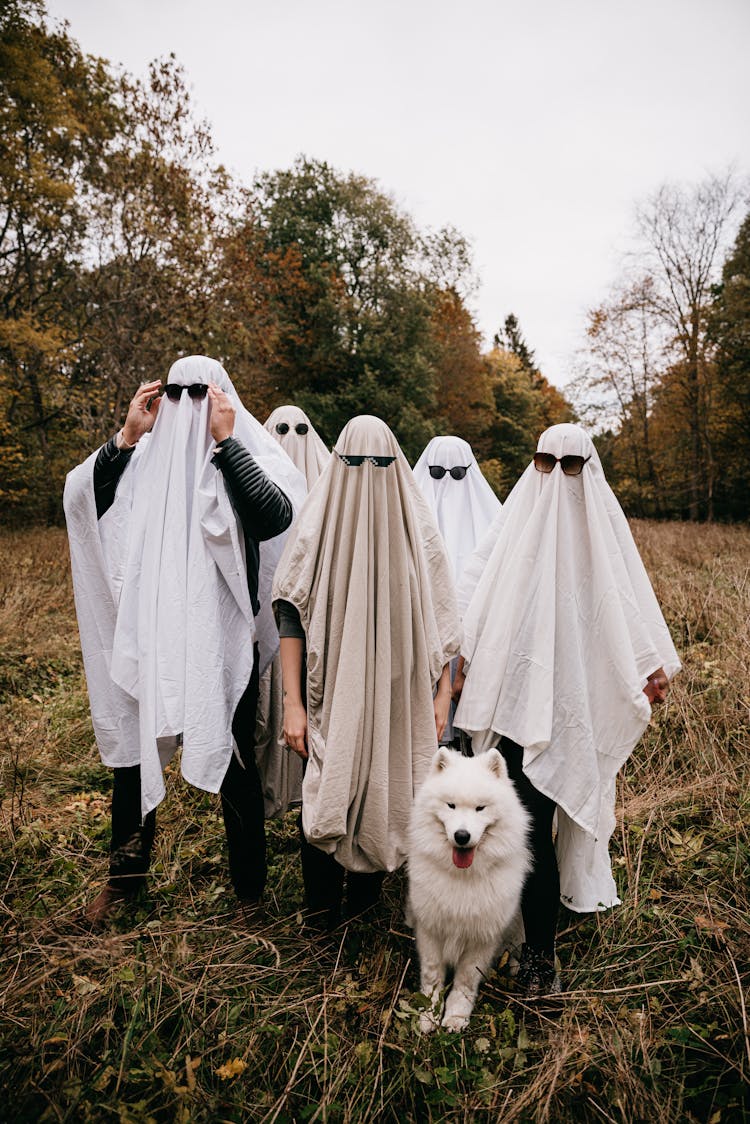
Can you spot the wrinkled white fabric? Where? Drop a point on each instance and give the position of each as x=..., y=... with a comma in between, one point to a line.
x=175, y=635
x=464, y=508
x=366, y=568
x=280, y=770
x=306, y=449
x=561, y=630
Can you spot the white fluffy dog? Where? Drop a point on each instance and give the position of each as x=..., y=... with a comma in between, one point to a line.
x=467, y=863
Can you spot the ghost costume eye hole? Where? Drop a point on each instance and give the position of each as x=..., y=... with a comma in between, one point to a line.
x=480, y=807
x=451, y=805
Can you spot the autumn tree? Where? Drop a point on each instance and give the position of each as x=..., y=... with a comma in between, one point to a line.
x=58, y=118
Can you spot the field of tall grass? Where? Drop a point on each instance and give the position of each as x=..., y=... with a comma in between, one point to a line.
x=181, y=1011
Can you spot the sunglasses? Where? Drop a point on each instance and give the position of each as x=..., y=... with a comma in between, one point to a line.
x=354, y=461
x=300, y=427
x=437, y=472
x=571, y=464
x=196, y=391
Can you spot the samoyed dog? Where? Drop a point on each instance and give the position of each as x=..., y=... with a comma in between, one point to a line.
x=467, y=864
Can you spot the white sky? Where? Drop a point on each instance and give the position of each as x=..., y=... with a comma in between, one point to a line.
x=533, y=126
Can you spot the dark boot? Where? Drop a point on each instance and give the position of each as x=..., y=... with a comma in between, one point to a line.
x=537, y=974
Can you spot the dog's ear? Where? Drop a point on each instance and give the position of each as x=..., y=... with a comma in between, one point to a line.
x=495, y=762
x=441, y=760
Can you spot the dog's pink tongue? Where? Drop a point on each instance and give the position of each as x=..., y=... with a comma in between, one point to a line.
x=463, y=857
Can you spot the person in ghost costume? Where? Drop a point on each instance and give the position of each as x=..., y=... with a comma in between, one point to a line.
x=175, y=528
x=364, y=585
x=281, y=771
x=463, y=504
x=565, y=649
x=296, y=434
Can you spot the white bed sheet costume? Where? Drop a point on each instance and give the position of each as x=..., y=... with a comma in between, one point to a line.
x=306, y=450
x=160, y=582
x=281, y=771
x=367, y=570
x=463, y=509
x=561, y=630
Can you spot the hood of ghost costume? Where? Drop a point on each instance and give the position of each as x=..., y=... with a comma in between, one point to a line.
x=367, y=570
x=561, y=630
x=306, y=450
x=463, y=508
x=161, y=590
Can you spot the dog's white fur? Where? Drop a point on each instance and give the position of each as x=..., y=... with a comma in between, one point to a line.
x=460, y=915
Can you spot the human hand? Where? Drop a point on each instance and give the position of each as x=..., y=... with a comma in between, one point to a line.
x=222, y=413
x=142, y=411
x=441, y=706
x=295, y=728
x=657, y=686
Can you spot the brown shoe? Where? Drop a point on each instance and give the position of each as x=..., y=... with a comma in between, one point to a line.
x=104, y=904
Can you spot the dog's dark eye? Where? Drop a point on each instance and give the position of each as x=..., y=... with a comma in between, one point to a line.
x=451, y=805
x=480, y=807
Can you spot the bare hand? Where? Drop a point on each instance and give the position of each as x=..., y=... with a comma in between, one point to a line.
x=441, y=705
x=657, y=687
x=295, y=728
x=142, y=411
x=222, y=413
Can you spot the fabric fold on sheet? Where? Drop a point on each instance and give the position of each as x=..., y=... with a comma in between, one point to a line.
x=561, y=631
x=367, y=570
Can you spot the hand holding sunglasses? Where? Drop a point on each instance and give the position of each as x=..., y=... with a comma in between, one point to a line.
x=221, y=419
x=142, y=411
x=571, y=464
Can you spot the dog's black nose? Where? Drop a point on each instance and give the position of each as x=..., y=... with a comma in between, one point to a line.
x=462, y=837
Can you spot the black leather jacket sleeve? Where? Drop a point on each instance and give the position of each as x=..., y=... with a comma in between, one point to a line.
x=109, y=466
x=263, y=509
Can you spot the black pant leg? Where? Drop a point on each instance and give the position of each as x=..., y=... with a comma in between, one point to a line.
x=323, y=880
x=242, y=801
x=362, y=890
x=540, y=901
x=130, y=849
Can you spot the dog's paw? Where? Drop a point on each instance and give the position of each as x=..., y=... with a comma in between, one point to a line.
x=455, y=1022
x=427, y=1022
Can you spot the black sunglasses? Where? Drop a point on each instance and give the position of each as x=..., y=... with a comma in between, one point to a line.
x=437, y=472
x=300, y=427
x=571, y=464
x=355, y=460
x=196, y=391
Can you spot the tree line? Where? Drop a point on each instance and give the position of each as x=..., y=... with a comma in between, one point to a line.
x=124, y=243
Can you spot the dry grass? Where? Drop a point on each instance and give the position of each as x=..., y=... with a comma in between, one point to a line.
x=180, y=1014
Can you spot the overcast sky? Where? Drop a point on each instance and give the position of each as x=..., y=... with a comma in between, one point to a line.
x=532, y=126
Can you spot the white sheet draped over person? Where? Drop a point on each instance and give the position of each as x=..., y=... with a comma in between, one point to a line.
x=562, y=632
x=292, y=428
x=366, y=569
x=165, y=614
x=463, y=504
x=281, y=771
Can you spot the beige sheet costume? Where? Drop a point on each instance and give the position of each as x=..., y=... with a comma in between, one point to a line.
x=281, y=771
x=366, y=568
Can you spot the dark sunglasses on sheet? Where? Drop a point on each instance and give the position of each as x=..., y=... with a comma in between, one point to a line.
x=354, y=460
x=196, y=391
x=571, y=464
x=437, y=472
x=300, y=427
